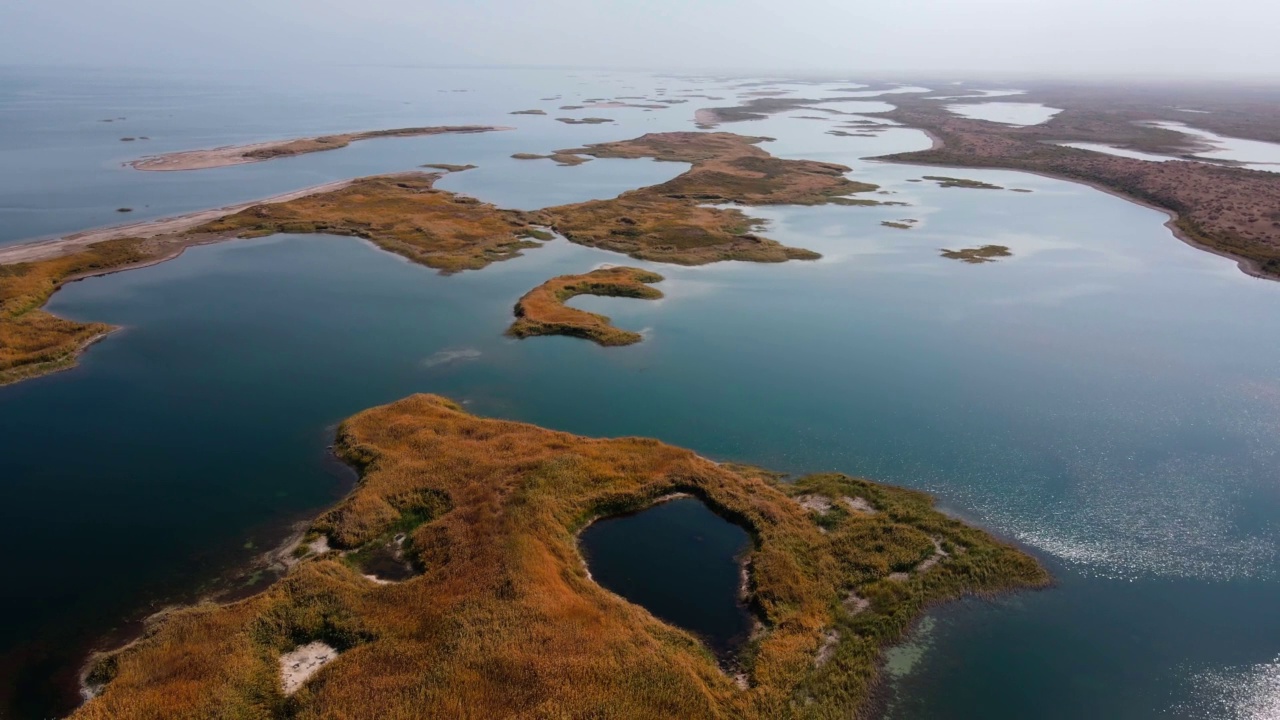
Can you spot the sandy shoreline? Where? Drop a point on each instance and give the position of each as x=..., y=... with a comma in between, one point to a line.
x=50, y=247
x=229, y=155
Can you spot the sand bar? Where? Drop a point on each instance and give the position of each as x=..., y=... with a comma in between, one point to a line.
x=259, y=152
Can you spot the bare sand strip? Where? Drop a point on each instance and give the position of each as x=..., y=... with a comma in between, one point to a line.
x=67, y=244
x=298, y=665
x=260, y=152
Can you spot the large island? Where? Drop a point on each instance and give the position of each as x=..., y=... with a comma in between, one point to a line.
x=496, y=615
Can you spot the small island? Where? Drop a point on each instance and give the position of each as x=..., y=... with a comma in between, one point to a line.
x=559, y=158
x=950, y=182
x=449, y=167
x=528, y=112
x=977, y=255
x=259, y=152
x=584, y=121
x=493, y=611
x=542, y=310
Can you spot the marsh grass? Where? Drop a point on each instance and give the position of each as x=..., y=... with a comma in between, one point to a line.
x=542, y=311
x=671, y=222
x=978, y=255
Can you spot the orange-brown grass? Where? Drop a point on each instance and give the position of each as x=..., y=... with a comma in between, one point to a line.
x=669, y=223
x=402, y=214
x=977, y=255
x=33, y=342
x=560, y=158
x=542, y=310
x=504, y=621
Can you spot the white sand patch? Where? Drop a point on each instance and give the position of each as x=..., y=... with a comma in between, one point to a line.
x=858, y=505
x=320, y=545
x=828, y=648
x=855, y=603
x=297, y=666
x=938, y=554
x=820, y=504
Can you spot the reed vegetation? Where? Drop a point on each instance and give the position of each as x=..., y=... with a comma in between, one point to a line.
x=542, y=311
x=403, y=214
x=678, y=221
x=34, y=342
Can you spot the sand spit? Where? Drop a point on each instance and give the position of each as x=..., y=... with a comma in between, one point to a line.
x=298, y=665
x=259, y=152
x=67, y=244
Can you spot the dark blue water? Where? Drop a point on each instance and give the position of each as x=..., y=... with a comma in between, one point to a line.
x=1107, y=396
x=679, y=561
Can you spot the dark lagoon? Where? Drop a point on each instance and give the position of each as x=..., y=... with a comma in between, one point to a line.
x=679, y=561
x=1107, y=396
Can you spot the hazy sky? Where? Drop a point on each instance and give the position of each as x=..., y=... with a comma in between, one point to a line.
x=1059, y=37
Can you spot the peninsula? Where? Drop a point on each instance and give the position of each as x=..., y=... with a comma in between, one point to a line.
x=403, y=214
x=542, y=310
x=1224, y=209
x=258, y=152
x=678, y=221
x=498, y=616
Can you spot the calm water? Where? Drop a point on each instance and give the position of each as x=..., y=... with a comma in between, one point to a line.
x=1108, y=396
x=679, y=561
x=1009, y=113
x=1255, y=154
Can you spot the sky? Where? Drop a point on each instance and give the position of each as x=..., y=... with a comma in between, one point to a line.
x=1060, y=38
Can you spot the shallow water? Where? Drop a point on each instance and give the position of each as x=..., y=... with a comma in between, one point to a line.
x=1105, y=396
x=679, y=561
x=975, y=93
x=1120, y=152
x=1253, y=154
x=1009, y=113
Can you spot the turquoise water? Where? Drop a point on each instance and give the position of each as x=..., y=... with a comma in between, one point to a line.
x=679, y=561
x=1107, y=396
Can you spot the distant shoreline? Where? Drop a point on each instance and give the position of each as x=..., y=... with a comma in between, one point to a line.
x=1245, y=265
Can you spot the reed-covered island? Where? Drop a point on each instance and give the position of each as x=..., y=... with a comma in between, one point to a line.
x=542, y=311
x=498, y=616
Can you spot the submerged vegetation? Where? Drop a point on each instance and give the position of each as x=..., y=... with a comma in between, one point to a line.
x=950, y=182
x=450, y=167
x=542, y=310
x=503, y=619
x=977, y=255
x=560, y=158
x=584, y=121
x=677, y=222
